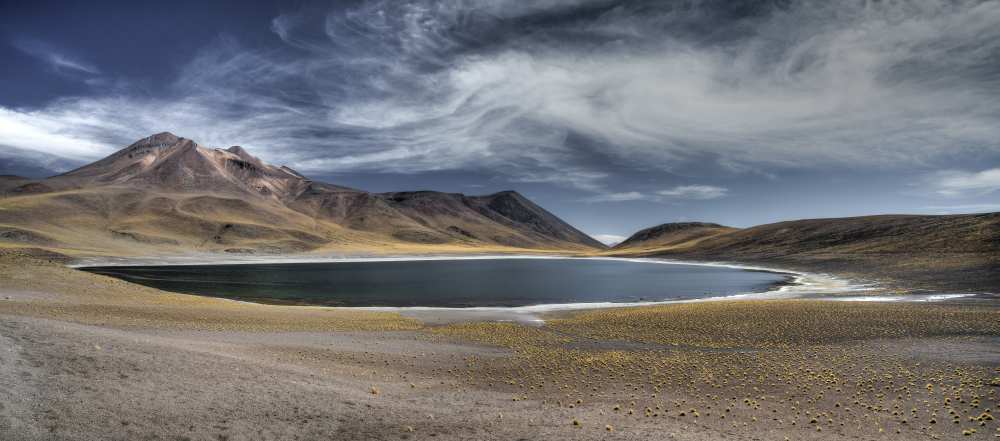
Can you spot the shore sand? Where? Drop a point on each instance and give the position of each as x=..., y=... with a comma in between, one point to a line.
x=86, y=357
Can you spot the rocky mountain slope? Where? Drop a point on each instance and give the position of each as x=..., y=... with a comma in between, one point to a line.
x=164, y=193
x=940, y=252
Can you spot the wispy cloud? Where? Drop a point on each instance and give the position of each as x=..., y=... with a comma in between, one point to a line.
x=53, y=133
x=616, y=197
x=699, y=192
x=508, y=86
x=955, y=183
x=56, y=59
x=690, y=192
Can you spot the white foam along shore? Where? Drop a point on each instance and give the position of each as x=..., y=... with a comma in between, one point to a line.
x=906, y=298
x=802, y=284
x=217, y=259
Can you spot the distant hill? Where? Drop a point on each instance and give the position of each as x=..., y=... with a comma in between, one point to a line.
x=952, y=251
x=164, y=193
x=10, y=181
x=672, y=235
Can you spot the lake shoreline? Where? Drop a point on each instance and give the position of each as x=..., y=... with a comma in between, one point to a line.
x=790, y=286
x=795, y=285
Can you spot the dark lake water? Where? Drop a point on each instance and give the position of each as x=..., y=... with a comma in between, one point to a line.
x=450, y=283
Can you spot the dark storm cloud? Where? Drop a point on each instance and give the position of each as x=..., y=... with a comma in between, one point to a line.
x=582, y=94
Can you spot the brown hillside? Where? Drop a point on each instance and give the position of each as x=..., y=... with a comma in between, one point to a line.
x=164, y=193
x=671, y=235
x=959, y=252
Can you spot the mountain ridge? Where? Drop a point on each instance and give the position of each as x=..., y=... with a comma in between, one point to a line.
x=674, y=234
x=165, y=191
x=960, y=251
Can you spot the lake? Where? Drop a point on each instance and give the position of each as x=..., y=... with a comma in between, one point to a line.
x=451, y=283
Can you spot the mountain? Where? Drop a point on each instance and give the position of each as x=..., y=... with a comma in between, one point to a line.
x=32, y=164
x=679, y=234
x=938, y=252
x=165, y=193
x=164, y=162
x=11, y=181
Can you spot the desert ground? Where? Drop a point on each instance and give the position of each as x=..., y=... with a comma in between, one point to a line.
x=85, y=357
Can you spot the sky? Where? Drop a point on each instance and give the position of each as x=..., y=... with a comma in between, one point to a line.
x=614, y=115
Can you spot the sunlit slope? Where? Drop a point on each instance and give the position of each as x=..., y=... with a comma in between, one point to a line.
x=168, y=194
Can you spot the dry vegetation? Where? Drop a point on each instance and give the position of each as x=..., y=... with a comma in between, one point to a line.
x=804, y=369
x=777, y=323
x=801, y=369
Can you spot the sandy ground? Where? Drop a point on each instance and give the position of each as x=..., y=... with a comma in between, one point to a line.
x=91, y=358
x=85, y=382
